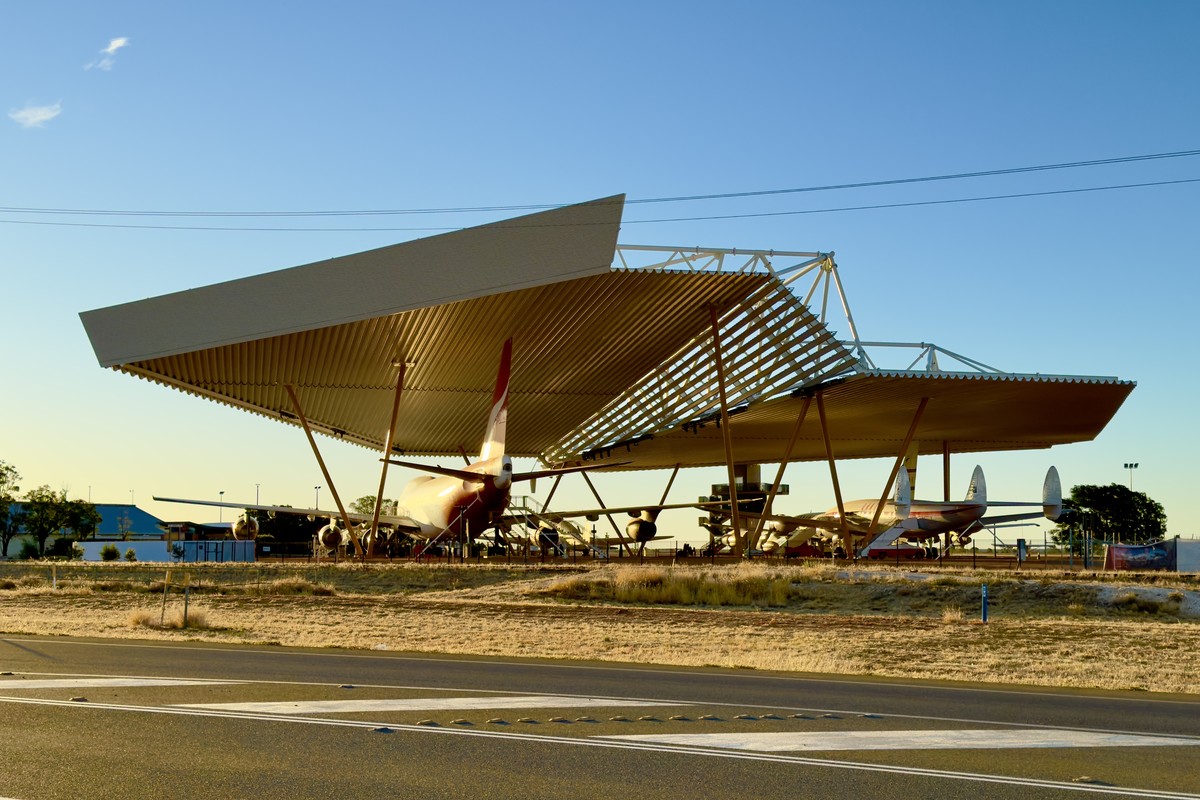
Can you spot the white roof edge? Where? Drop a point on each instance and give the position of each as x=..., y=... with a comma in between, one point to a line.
x=533, y=250
x=994, y=376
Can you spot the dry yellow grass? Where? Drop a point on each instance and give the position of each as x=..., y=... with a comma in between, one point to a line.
x=880, y=622
x=174, y=620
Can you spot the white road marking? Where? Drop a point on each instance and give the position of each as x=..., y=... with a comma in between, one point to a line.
x=82, y=682
x=421, y=704
x=616, y=666
x=580, y=741
x=782, y=742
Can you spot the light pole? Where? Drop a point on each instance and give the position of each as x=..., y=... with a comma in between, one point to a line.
x=316, y=497
x=1131, y=468
x=221, y=511
x=256, y=493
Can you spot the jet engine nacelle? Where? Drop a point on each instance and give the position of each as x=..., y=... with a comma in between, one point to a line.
x=641, y=530
x=245, y=529
x=331, y=536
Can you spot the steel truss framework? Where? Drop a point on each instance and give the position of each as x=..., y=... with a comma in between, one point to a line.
x=777, y=342
x=772, y=342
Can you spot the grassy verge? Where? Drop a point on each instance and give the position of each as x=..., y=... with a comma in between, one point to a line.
x=804, y=618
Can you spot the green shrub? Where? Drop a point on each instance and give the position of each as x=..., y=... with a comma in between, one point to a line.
x=62, y=547
x=109, y=553
x=131, y=554
x=29, y=550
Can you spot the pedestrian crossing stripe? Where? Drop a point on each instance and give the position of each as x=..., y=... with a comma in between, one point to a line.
x=84, y=682
x=423, y=704
x=984, y=739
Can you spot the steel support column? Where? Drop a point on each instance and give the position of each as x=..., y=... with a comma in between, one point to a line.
x=946, y=470
x=847, y=537
x=358, y=549
x=887, y=488
x=739, y=539
x=553, y=489
x=613, y=522
x=946, y=488
x=387, y=454
x=787, y=455
x=670, y=483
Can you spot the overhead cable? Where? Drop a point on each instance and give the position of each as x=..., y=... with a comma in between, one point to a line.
x=633, y=201
x=760, y=214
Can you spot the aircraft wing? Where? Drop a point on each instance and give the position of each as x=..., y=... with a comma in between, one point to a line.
x=999, y=518
x=557, y=516
x=554, y=472
x=613, y=541
x=824, y=523
x=479, y=477
x=392, y=521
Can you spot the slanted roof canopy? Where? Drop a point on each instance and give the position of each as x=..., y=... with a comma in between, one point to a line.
x=336, y=331
x=611, y=362
x=869, y=415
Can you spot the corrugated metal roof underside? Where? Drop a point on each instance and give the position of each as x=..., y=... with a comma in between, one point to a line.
x=576, y=346
x=533, y=250
x=869, y=416
x=771, y=344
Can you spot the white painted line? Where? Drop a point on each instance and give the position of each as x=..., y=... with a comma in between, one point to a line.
x=617, y=666
x=591, y=741
x=82, y=682
x=422, y=704
x=908, y=740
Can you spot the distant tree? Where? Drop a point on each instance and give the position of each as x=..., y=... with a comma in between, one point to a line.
x=1111, y=513
x=8, y=484
x=46, y=513
x=83, y=518
x=130, y=554
x=110, y=552
x=11, y=519
x=11, y=525
x=124, y=526
x=366, y=505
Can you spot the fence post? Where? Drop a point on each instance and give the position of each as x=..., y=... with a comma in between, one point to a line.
x=985, y=603
x=162, y=614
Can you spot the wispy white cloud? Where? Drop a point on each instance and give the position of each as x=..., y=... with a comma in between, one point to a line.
x=108, y=53
x=35, y=116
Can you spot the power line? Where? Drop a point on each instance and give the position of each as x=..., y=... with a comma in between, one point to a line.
x=635, y=201
x=624, y=222
x=920, y=202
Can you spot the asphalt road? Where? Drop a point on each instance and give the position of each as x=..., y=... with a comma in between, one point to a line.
x=105, y=718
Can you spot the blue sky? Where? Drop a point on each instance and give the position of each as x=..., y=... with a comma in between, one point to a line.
x=258, y=107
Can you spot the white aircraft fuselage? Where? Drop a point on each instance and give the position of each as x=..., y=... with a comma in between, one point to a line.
x=926, y=517
x=434, y=504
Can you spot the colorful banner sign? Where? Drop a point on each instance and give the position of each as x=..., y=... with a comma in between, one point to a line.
x=1157, y=555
